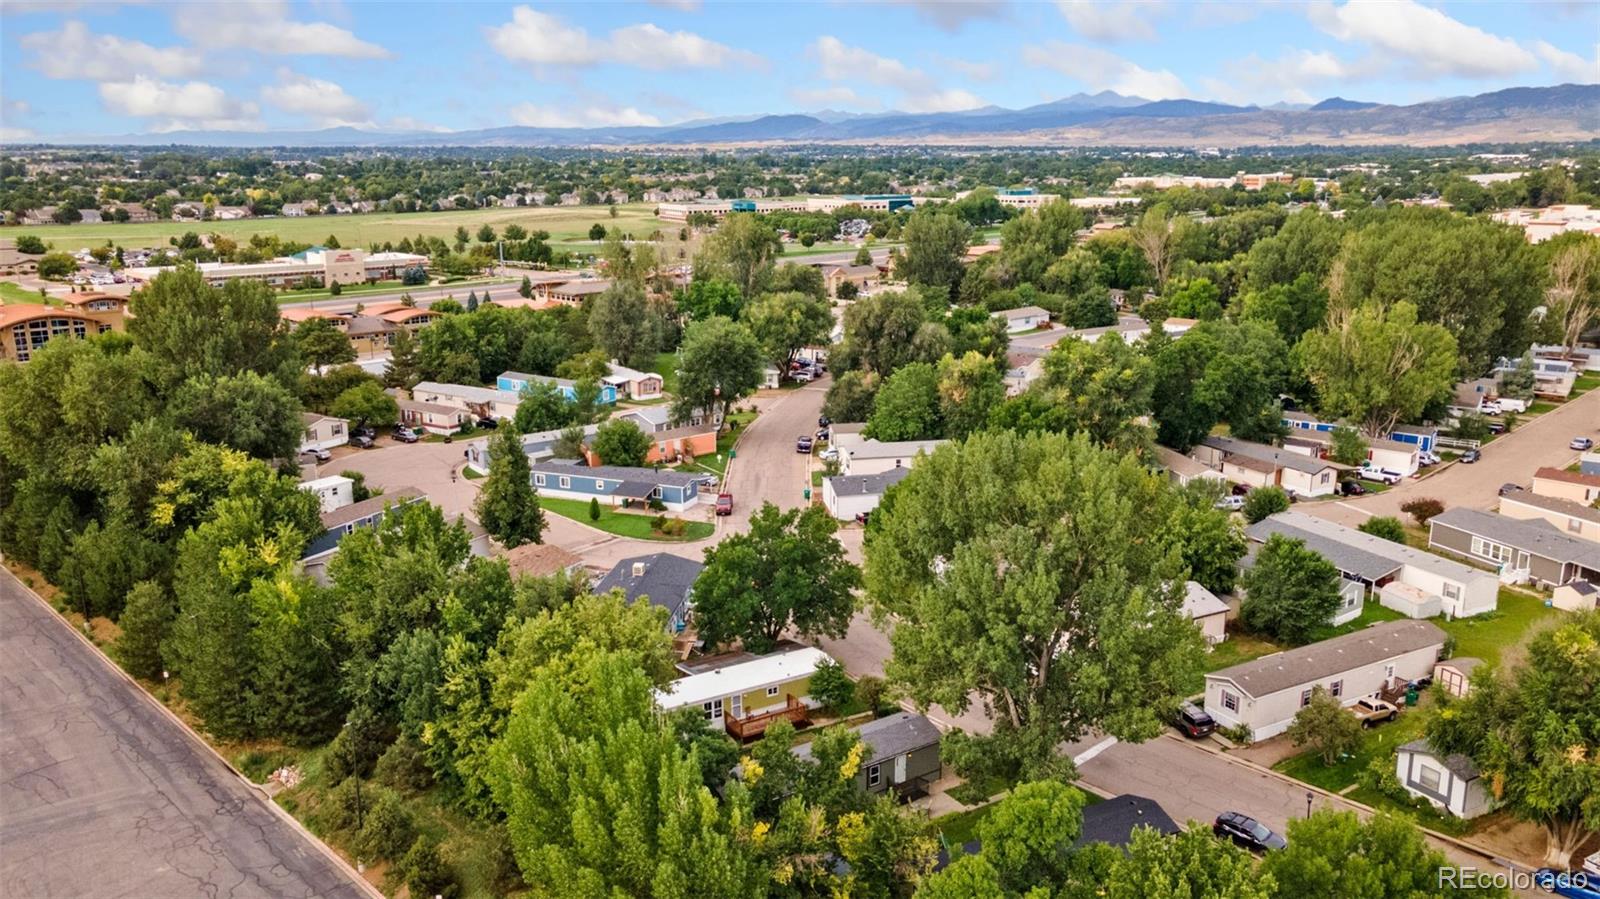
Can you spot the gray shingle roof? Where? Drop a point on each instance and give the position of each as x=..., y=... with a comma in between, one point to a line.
x=1306, y=664
x=888, y=737
x=1112, y=822
x=1459, y=765
x=367, y=507
x=1262, y=452
x=666, y=579
x=1351, y=560
x=1394, y=553
x=1534, y=535
x=867, y=484
x=651, y=476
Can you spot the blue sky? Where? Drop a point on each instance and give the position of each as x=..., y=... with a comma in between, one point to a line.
x=71, y=68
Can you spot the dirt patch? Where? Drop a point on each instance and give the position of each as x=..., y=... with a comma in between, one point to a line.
x=1509, y=837
x=1269, y=752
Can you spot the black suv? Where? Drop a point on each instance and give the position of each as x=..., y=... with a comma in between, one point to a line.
x=1247, y=832
x=1194, y=722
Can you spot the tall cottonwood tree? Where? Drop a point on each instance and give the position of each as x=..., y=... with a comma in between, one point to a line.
x=1041, y=573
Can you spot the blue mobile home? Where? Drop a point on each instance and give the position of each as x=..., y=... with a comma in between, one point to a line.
x=618, y=486
x=516, y=382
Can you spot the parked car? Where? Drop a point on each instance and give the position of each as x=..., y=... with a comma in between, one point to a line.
x=823, y=421
x=1581, y=443
x=1574, y=885
x=1508, y=489
x=365, y=431
x=488, y=424
x=1231, y=503
x=1427, y=457
x=1471, y=456
x=1507, y=404
x=1194, y=721
x=361, y=441
x=1239, y=489
x=802, y=444
x=831, y=454
x=318, y=453
x=1246, y=831
x=1351, y=488
x=1373, y=712
x=803, y=376
x=724, y=504
x=406, y=435
x=1371, y=472
x=1496, y=427
x=1491, y=408
x=823, y=434
x=863, y=517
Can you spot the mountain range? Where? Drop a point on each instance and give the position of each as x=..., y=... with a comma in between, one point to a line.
x=1560, y=113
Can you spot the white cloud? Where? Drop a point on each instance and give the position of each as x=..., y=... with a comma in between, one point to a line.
x=977, y=71
x=314, y=98
x=1113, y=21
x=953, y=15
x=1297, y=76
x=651, y=47
x=837, y=61
x=10, y=135
x=1101, y=70
x=407, y=123
x=197, y=102
x=590, y=116
x=75, y=52
x=836, y=96
x=542, y=39
x=1434, y=44
x=15, y=107
x=265, y=25
x=1570, y=66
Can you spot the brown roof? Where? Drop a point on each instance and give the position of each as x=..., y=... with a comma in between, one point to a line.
x=1295, y=667
x=13, y=313
x=1554, y=504
x=1570, y=477
x=539, y=560
x=83, y=299
x=368, y=507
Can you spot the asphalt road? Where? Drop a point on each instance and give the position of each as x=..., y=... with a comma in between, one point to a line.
x=102, y=795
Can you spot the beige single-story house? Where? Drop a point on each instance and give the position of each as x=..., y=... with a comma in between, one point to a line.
x=860, y=455
x=862, y=276
x=541, y=560
x=322, y=432
x=1264, y=695
x=1208, y=612
x=635, y=385
x=1572, y=486
x=1573, y=519
x=1261, y=465
x=845, y=496
x=480, y=402
x=1182, y=469
x=1023, y=318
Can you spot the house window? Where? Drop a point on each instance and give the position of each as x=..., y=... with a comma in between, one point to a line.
x=656, y=493
x=338, y=428
x=538, y=480
x=1428, y=777
x=1230, y=701
x=1336, y=688
x=1305, y=698
x=874, y=775
x=1494, y=552
x=772, y=691
x=1451, y=591
x=713, y=709
x=1575, y=525
x=566, y=481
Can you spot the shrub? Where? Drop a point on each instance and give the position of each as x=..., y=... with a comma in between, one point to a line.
x=145, y=621
x=870, y=690
x=831, y=686
x=30, y=244
x=1239, y=733
x=1421, y=509
x=341, y=809
x=335, y=288
x=658, y=523
x=357, y=747
x=404, y=767
x=594, y=509
x=426, y=873
x=1264, y=501
x=1326, y=727
x=656, y=505
x=1386, y=526
x=389, y=828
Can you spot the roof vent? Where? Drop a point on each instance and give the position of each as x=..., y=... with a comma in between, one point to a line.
x=638, y=569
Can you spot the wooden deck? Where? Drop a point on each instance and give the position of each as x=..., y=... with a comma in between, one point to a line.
x=752, y=726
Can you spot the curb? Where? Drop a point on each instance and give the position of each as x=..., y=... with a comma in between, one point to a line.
x=1457, y=842
x=195, y=738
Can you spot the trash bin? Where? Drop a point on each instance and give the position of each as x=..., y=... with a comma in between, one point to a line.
x=1411, y=696
x=808, y=494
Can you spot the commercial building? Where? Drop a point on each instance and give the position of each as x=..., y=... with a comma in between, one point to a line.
x=25, y=327
x=1264, y=695
x=322, y=266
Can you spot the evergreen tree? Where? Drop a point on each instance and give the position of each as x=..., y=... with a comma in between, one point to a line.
x=146, y=619
x=508, y=505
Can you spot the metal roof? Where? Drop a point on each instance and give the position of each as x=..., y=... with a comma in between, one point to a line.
x=1295, y=668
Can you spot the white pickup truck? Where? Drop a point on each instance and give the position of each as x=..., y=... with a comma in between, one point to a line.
x=1370, y=472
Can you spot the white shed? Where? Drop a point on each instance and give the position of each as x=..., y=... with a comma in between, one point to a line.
x=1447, y=782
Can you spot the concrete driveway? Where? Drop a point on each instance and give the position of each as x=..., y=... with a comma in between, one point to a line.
x=1511, y=458
x=102, y=794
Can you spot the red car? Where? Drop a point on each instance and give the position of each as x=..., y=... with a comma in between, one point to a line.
x=724, y=504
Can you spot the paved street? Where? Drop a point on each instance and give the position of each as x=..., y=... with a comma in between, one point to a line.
x=1511, y=458
x=103, y=795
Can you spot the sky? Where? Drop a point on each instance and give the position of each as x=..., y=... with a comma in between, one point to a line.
x=72, y=69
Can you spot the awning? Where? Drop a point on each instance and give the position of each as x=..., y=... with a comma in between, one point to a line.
x=634, y=490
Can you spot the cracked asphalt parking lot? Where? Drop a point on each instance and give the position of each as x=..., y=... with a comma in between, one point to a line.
x=103, y=795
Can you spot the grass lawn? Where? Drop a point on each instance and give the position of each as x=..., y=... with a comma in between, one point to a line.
x=1377, y=742
x=1238, y=648
x=718, y=464
x=565, y=223
x=623, y=524
x=1490, y=635
x=1585, y=383
x=11, y=292
x=1540, y=407
x=816, y=479
x=958, y=828
x=667, y=367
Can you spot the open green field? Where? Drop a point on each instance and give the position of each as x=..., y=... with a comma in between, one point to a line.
x=16, y=293
x=565, y=223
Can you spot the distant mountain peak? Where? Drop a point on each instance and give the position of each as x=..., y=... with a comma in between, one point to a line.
x=1340, y=104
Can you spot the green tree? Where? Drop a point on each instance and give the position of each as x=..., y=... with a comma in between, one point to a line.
x=969, y=389
x=1336, y=854
x=788, y=572
x=1573, y=295
x=1386, y=526
x=31, y=245
x=367, y=404
x=1153, y=235
x=617, y=321
x=620, y=442
x=936, y=242
x=907, y=406
x=508, y=504
x=741, y=252
x=1306, y=245
x=597, y=232
x=426, y=874
x=57, y=266
x=594, y=508
x=104, y=563
x=525, y=290
x=245, y=411
x=863, y=255
x=1194, y=298
x=1326, y=726
x=569, y=443
x=486, y=233
x=1379, y=366
x=321, y=343
x=1347, y=446
x=1102, y=389
x=146, y=621
x=1264, y=502
x=1421, y=509
x=1033, y=241
x=601, y=798
x=720, y=364
x=1293, y=308
x=1190, y=865
x=850, y=397
x=543, y=408
x=1290, y=592
x=792, y=277
x=193, y=329
x=878, y=332
x=1219, y=371
x=1213, y=541
x=1017, y=601
x=786, y=323
x=1534, y=733
x=705, y=298
x=831, y=686
x=403, y=368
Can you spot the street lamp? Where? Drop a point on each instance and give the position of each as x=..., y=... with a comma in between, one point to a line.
x=1309, y=796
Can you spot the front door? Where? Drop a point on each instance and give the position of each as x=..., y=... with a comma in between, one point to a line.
x=738, y=707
